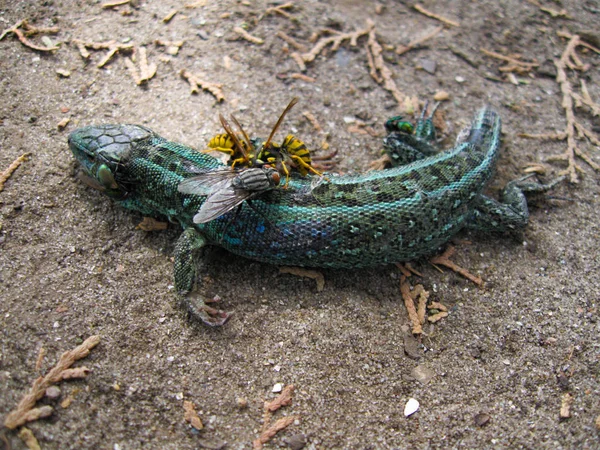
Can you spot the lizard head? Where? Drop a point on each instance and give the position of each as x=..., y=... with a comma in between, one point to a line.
x=102, y=152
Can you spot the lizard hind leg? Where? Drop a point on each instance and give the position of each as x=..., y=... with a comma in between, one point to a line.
x=187, y=246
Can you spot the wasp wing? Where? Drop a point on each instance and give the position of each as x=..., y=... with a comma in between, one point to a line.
x=221, y=202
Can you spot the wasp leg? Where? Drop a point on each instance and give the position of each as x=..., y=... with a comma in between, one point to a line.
x=185, y=276
x=229, y=151
x=306, y=166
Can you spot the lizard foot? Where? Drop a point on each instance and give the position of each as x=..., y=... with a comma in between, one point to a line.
x=198, y=309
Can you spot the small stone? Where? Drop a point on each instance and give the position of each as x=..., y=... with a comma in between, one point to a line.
x=296, y=442
x=278, y=387
x=428, y=66
x=53, y=392
x=441, y=96
x=349, y=119
x=179, y=396
x=242, y=402
x=506, y=362
x=63, y=73
x=422, y=374
x=411, y=407
x=412, y=348
x=482, y=419
x=202, y=35
x=460, y=79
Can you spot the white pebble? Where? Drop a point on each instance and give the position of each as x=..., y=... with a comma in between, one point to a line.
x=277, y=388
x=411, y=407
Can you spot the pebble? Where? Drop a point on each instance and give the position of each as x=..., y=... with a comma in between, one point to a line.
x=412, y=347
x=411, y=407
x=53, y=392
x=460, y=79
x=482, y=419
x=422, y=374
x=428, y=66
x=296, y=442
x=278, y=387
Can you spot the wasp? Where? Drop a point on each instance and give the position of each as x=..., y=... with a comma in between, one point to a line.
x=226, y=189
x=292, y=154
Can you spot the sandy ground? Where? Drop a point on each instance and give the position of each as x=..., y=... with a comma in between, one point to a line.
x=72, y=264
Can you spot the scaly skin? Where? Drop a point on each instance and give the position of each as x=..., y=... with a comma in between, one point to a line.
x=393, y=215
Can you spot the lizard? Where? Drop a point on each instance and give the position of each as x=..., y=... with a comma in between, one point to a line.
x=350, y=221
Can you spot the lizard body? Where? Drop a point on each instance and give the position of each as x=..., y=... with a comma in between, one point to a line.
x=381, y=217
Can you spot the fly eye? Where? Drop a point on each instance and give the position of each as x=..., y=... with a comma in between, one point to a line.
x=106, y=177
x=276, y=178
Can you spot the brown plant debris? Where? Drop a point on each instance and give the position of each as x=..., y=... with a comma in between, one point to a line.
x=266, y=435
x=555, y=13
x=22, y=30
x=26, y=435
x=444, y=260
x=409, y=303
x=291, y=41
x=196, y=83
x=301, y=76
x=191, y=416
x=402, y=49
x=335, y=41
x=268, y=430
x=146, y=72
x=283, y=399
x=514, y=64
x=25, y=411
x=115, y=4
x=301, y=272
x=435, y=16
x=565, y=406
x=574, y=130
x=151, y=224
x=170, y=15
x=281, y=10
x=40, y=359
x=172, y=46
x=313, y=121
x=247, y=36
x=4, y=176
x=113, y=48
x=378, y=70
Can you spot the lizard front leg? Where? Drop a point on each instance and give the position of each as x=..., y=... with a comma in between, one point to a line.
x=511, y=213
x=189, y=243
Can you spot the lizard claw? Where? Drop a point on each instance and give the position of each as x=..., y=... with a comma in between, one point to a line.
x=198, y=309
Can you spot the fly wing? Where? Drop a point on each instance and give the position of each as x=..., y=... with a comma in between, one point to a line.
x=207, y=183
x=220, y=202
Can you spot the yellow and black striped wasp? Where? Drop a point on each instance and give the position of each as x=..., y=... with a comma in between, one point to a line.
x=290, y=155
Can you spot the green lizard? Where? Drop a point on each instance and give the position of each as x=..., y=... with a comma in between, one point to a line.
x=381, y=217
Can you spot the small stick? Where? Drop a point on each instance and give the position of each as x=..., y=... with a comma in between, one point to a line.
x=385, y=73
x=25, y=411
x=410, y=305
x=196, y=82
x=191, y=416
x=313, y=120
x=115, y=3
x=4, y=176
x=435, y=16
x=418, y=41
x=244, y=34
x=29, y=30
x=301, y=76
x=291, y=41
x=266, y=435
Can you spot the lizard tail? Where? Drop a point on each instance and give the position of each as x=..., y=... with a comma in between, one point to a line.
x=485, y=129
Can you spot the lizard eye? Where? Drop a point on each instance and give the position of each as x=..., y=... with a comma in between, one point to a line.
x=106, y=177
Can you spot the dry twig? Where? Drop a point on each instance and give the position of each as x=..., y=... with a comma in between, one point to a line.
x=570, y=60
x=197, y=83
x=30, y=30
x=435, y=16
x=410, y=305
x=113, y=48
x=245, y=35
x=147, y=71
x=280, y=9
x=301, y=272
x=291, y=41
x=514, y=64
x=191, y=416
x=379, y=71
x=10, y=169
x=115, y=4
x=268, y=431
x=335, y=42
x=266, y=435
x=25, y=411
x=444, y=260
x=402, y=49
